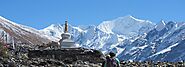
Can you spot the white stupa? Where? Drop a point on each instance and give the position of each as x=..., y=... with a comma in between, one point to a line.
x=66, y=41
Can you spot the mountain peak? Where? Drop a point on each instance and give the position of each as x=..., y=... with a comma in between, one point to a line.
x=130, y=17
x=53, y=27
x=160, y=26
x=127, y=25
x=2, y=18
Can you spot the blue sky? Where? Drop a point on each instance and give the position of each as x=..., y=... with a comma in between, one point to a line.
x=42, y=13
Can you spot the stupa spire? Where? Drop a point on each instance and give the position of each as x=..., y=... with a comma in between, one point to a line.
x=66, y=27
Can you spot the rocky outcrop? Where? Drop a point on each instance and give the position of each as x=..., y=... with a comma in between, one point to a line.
x=69, y=55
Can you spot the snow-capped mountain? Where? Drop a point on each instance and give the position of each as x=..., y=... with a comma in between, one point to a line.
x=98, y=37
x=11, y=31
x=128, y=26
x=164, y=43
x=130, y=38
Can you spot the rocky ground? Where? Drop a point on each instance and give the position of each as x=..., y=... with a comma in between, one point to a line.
x=38, y=62
x=19, y=58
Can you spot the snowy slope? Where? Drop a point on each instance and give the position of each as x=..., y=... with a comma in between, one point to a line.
x=163, y=43
x=21, y=33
